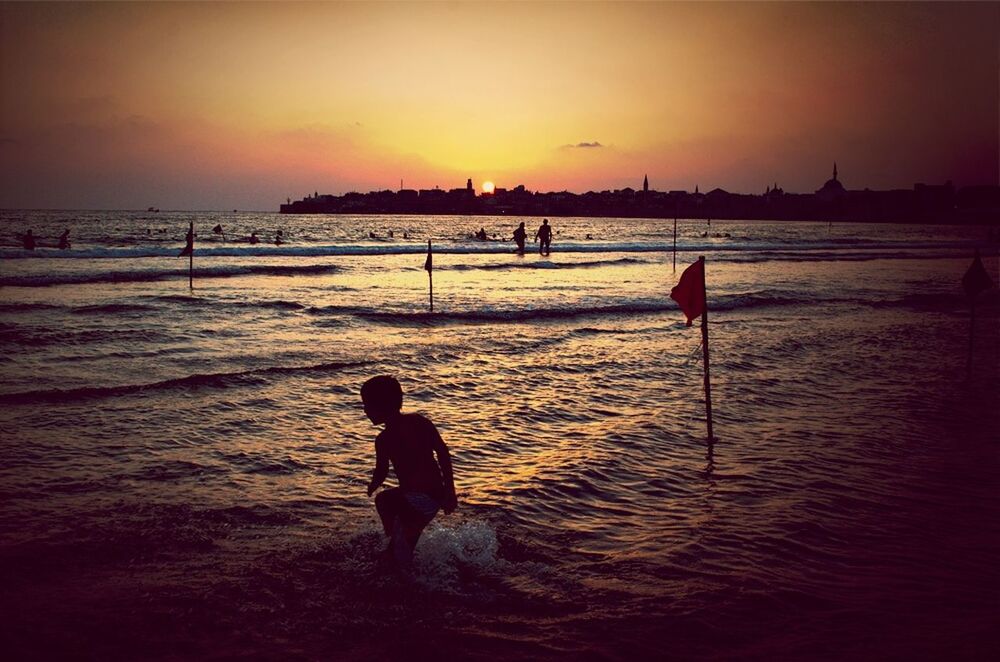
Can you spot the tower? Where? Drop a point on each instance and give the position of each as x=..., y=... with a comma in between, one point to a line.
x=645, y=184
x=468, y=184
x=834, y=171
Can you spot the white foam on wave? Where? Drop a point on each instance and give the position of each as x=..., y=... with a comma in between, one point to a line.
x=461, y=248
x=444, y=552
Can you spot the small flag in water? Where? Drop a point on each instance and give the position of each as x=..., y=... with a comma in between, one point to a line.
x=690, y=291
x=429, y=262
x=217, y=229
x=190, y=244
x=976, y=279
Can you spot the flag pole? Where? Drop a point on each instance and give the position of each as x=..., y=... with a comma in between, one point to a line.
x=191, y=257
x=704, y=345
x=675, y=244
x=430, y=275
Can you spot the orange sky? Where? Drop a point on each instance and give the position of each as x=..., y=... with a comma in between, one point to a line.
x=222, y=106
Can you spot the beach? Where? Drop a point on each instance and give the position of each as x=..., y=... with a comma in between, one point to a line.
x=184, y=468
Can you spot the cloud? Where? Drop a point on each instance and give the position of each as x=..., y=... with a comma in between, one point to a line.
x=585, y=145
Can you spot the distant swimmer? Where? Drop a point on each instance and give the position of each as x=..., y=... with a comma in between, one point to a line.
x=372, y=235
x=410, y=443
x=520, y=234
x=544, y=234
x=29, y=241
x=589, y=236
x=481, y=235
x=253, y=238
x=391, y=235
x=64, y=240
x=218, y=230
x=278, y=239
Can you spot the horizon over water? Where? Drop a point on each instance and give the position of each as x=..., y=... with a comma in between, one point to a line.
x=184, y=469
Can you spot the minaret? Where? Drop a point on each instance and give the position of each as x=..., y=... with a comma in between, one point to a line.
x=645, y=184
x=468, y=184
x=834, y=171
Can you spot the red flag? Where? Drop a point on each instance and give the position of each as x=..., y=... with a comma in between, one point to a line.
x=429, y=262
x=976, y=279
x=690, y=291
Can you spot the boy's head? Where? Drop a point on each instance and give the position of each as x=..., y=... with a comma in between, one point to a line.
x=382, y=397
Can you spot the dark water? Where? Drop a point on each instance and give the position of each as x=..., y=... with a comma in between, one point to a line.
x=183, y=471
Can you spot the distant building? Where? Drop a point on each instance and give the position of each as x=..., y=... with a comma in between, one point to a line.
x=933, y=203
x=832, y=190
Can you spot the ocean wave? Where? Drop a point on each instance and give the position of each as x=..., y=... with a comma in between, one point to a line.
x=210, y=380
x=25, y=307
x=451, y=247
x=491, y=315
x=126, y=308
x=543, y=264
x=841, y=256
x=150, y=275
x=20, y=336
x=277, y=304
x=111, y=308
x=942, y=302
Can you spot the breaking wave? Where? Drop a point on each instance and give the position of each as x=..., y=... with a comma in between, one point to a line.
x=150, y=275
x=210, y=380
x=464, y=247
x=732, y=302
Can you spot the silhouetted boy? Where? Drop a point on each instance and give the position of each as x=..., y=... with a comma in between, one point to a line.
x=545, y=235
x=64, y=240
x=29, y=241
x=409, y=442
x=520, y=234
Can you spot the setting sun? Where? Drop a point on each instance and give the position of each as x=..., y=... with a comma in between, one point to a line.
x=488, y=187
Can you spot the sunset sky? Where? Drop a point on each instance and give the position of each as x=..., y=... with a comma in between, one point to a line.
x=191, y=106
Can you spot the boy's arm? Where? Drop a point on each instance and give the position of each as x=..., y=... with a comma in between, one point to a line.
x=381, y=469
x=444, y=460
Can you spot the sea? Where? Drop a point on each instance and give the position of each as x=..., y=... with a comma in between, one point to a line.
x=184, y=455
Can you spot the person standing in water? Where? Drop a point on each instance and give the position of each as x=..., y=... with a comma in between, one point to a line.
x=520, y=234
x=544, y=234
x=28, y=241
x=410, y=442
x=64, y=240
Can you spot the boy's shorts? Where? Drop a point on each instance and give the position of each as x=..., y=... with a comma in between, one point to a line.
x=423, y=505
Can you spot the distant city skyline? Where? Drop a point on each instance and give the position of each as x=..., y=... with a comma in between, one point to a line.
x=208, y=106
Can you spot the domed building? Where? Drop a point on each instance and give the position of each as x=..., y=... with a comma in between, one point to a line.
x=832, y=190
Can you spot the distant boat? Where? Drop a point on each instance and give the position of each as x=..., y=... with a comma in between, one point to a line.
x=153, y=209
